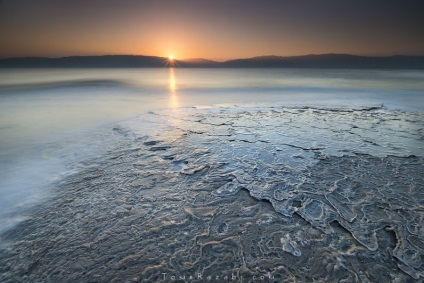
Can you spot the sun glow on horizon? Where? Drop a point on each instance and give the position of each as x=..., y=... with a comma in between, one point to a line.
x=170, y=57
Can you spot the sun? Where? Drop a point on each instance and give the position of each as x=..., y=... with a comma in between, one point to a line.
x=170, y=57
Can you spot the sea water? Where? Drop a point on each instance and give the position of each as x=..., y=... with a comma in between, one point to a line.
x=234, y=169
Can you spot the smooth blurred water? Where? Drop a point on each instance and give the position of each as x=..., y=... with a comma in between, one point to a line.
x=39, y=102
x=51, y=119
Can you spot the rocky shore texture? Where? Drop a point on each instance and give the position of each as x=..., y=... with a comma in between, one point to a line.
x=290, y=194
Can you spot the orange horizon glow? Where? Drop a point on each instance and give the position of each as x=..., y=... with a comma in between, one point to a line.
x=208, y=51
x=215, y=30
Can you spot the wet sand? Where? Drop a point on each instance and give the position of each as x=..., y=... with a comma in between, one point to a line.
x=266, y=194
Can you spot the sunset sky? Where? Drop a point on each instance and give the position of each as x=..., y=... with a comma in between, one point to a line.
x=213, y=29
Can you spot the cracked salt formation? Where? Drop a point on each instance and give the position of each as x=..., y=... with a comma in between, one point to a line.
x=306, y=194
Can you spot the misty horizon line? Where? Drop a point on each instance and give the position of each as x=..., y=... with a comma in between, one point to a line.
x=329, y=60
x=216, y=59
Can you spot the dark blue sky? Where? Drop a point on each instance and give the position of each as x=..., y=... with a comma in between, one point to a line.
x=214, y=29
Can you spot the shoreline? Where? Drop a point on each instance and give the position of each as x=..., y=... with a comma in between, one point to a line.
x=249, y=192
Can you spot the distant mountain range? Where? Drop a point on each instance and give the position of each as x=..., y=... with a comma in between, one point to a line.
x=139, y=61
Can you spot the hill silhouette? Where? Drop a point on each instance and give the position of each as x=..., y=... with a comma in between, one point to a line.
x=272, y=61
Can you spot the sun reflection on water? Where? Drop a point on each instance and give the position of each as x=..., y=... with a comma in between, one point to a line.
x=173, y=89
